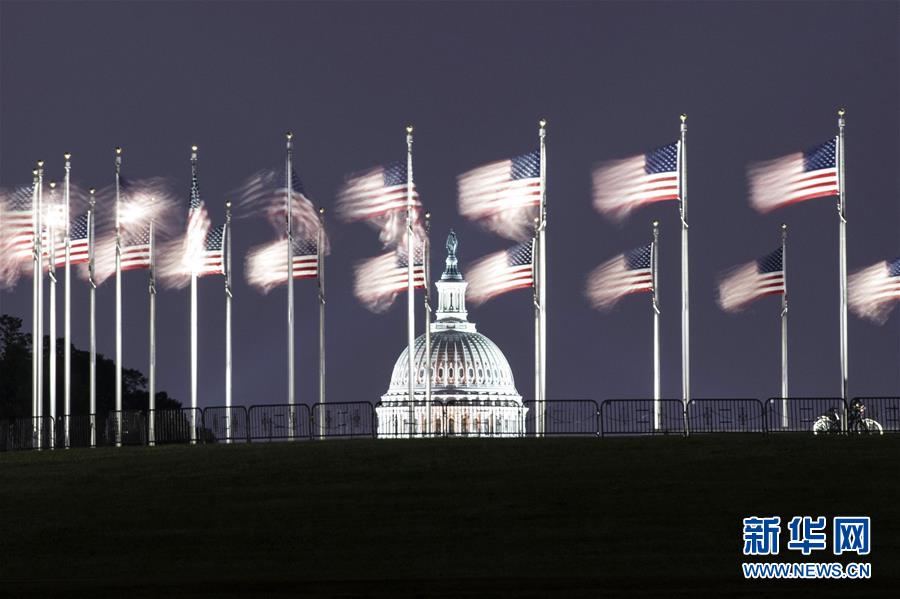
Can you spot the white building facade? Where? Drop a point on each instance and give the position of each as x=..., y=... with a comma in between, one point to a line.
x=473, y=393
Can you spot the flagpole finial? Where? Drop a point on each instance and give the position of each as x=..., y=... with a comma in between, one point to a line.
x=543, y=123
x=321, y=209
x=118, y=150
x=655, y=224
x=67, y=155
x=92, y=191
x=193, y=148
x=841, y=112
x=52, y=184
x=409, y=129
x=427, y=216
x=683, y=117
x=40, y=164
x=34, y=172
x=228, y=204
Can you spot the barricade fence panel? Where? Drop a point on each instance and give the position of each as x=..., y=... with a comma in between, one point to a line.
x=725, y=416
x=125, y=427
x=805, y=415
x=278, y=421
x=877, y=414
x=82, y=430
x=350, y=419
x=179, y=425
x=226, y=424
x=642, y=417
x=563, y=417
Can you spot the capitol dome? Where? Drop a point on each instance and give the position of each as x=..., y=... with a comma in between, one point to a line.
x=472, y=390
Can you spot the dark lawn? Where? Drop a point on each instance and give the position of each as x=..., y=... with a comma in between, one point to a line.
x=564, y=517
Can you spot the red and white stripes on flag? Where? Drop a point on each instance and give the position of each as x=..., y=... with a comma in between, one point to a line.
x=501, y=272
x=631, y=272
x=503, y=196
x=79, y=249
x=873, y=291
x=378, y=280
x=212, y=260
x=749, y=282
x=622, y=186
x=135, y=247
x=374, y=193
x=794, y=178
x=265, y=264
x=18, y=224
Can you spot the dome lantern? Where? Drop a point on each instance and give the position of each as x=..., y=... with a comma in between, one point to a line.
x=451, y=305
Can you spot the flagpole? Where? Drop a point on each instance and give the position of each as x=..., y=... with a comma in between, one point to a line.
x=92, y=392
x=151, y=289
x=784, y=325
x=193, y=315
x=67, y=312
x=37, y=353
x=320, y=270
x=654, y=274
x=842, y=240
x=51, y=276
x=118, y=303
x=685, y=295
x=228, y=296
x=290, y=282
x=535, y=275
x=427, y=269
x=542, y=280
x=410, y=283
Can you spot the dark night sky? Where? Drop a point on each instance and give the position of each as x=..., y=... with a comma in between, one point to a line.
x=757, y=80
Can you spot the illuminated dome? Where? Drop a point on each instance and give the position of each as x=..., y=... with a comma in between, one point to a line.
x=473, y=391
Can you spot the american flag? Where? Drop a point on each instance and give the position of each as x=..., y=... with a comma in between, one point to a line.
x=501, y=272
x=197, y=225
x=135, y=244
x=212, y=261
x=19, y=223
x=378, y=280
x=265, y=266
x=622, y=186
x=504, y=195
x=794, y=178
x=265, y=189
x=375, y=193
x=872, y=291
x=79, y=251
x=631, y=272
x=749, y=282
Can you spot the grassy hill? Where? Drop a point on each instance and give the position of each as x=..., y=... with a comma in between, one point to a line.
x=448, y=517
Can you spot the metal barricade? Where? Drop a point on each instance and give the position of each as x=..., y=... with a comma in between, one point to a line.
x=226, y=424
x=272, y=422
x=125, y=427
x=178, y=425
x=347, y=419
x=642, y=417
x=82, y=430
x=564, y=417
x=31, y=433
x=725, y=416
x=800, y=414
x=885, y=411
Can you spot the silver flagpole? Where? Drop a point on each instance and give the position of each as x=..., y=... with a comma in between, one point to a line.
x=194, y=315
x=536, y=276
x=92, y=392
x=427, y=269
x=542, y=278
x=784, y=325
x=151, y=289
x=37, y=354
x=226, y=246
x=51, y=276
x=654, y=274
x=685, y=295
x=320, y=270
x=40, y=342
x=842, y=240
x=290, y=282
x=410, y=283
x=118, y=303
x=67, y=312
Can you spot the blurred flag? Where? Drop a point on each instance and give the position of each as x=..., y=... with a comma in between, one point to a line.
x=503, y=196
x=18, y=224
x=197, y=227
x=265, y=266
x=266, y=190
x=78, y=240
x=794, y=178
x=379, y=280
x=501, y=272
x=631, y=272
x=872, y=291
x=622, y=186
x=212, y=260
x=749, y=282
x=374, y=193
x=135, y=244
